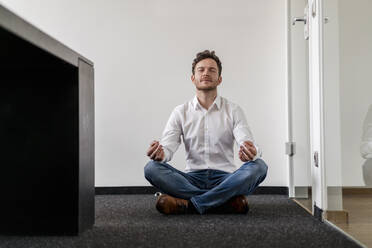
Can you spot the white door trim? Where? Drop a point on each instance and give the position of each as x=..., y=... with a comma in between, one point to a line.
x=291, y=192
x=317, y=103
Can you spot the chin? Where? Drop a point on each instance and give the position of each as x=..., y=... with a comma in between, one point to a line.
x=206, y=88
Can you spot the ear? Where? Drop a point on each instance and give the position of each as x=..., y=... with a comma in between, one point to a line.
x=219, y=80
x=192, y=77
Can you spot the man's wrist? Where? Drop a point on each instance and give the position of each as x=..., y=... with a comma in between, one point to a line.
x=166, y=155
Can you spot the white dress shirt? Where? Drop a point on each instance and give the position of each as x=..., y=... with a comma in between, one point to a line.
x=208, y=135
x=366, y=144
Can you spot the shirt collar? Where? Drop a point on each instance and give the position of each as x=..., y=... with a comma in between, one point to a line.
x=216, y=102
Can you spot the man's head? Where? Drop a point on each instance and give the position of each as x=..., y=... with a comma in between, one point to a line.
x=206, y=71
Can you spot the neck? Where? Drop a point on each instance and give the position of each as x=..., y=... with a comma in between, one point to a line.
x=206, y=98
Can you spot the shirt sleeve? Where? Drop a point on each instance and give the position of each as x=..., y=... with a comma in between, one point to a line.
x=171, y=137
x=242, y=132
x=366, y=144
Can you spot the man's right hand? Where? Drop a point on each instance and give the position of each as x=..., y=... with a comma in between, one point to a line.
x=156, y=151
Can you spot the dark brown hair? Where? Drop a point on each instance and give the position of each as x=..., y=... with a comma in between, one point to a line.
x=205, y=55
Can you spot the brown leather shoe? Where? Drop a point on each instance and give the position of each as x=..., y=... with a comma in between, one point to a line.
x=235, y=205
x=167, y=204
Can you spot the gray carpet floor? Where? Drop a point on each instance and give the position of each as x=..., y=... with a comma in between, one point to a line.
x=133, y=221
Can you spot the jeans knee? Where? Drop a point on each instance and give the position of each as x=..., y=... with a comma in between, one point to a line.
x=262, y=168
x=149, y=169
x=257, y=168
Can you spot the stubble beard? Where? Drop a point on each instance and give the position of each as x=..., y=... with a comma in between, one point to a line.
x=209, y=88
x=206, y=88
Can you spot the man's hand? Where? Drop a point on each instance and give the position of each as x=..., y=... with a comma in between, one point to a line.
x=156, y=151
x=247, y=151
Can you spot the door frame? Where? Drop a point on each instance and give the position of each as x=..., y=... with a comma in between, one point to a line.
x=297, y=146
x=316, y=79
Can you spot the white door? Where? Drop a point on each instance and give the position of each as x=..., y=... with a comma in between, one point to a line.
x=298, y=102
x=316, y=107
x=305, y=104
x=335, y=111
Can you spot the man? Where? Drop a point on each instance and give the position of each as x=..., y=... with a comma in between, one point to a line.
x=208, y=124
x=366, y=148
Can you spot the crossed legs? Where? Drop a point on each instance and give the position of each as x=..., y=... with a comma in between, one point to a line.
x=193, y=186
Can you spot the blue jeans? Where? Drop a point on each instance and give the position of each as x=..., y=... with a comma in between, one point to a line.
x=206, y=188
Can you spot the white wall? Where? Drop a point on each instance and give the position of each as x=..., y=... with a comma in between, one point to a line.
x=355, y=84
x=143, y=52
x=347, y=87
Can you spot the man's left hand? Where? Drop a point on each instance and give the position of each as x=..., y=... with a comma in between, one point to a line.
x=247, y=151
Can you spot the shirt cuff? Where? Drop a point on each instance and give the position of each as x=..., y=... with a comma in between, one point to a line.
x=366, y=149
x=166, y=155
x=258, y=154
x=367, y=156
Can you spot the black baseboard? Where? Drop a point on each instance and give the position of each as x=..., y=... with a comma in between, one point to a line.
x=263, y=190
x=271, y=190
x=126, y=190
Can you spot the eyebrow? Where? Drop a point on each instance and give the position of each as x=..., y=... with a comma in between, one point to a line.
x=212, y=67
